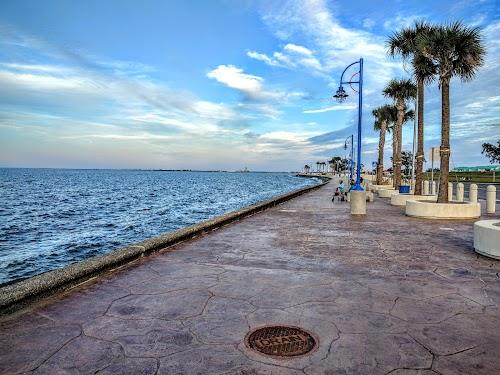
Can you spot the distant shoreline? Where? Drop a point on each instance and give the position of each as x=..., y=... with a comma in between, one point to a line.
x=145, y=170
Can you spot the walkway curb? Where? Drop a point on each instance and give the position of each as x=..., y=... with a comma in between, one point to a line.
x=23, y=293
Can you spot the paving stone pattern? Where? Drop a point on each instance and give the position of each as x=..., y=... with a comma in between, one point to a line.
x=383, y=294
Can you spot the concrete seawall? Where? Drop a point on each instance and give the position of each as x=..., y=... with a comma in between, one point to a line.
x=23, y=293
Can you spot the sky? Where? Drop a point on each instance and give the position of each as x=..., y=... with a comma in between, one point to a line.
x=220, y=84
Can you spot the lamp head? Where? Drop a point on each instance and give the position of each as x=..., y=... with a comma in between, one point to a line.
x=340, y=95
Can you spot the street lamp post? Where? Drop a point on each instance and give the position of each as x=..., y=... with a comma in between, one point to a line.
x=351, y=156
x=340, y=96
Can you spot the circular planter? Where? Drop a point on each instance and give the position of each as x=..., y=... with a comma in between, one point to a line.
x=401, y=199
x=487, y=238
x=386, y=193
x=378, y=187
x=451, y=210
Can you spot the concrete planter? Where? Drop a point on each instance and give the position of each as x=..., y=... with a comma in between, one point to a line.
x=386, y=193
x=401, y=199
x=378, y=187
x=452, y=210
x=487, y=238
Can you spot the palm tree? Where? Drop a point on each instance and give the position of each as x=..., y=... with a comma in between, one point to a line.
x=382, y=118
x=455, y=50
x=400, y=91
x=404, y=43
x=335, y=163
x=392, y=118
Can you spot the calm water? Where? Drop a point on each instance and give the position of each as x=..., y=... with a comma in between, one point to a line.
x=50, y=218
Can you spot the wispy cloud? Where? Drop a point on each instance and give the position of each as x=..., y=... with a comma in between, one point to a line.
x=402, y=20
x=292, y=56
x=338, y=107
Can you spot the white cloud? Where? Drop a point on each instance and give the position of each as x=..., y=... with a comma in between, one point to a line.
x=195, y=126
x=294, y=137
x=298, y=49
x=402, y=20
x=43, y=82
x=292, y=56
x=35, y=67
x=338, y=107
x=263, y=57
x=336, y=45
x=235, y=78
x=251, y=85
x=123, y=137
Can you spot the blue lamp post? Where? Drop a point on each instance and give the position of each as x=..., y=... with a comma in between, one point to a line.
x=351, y=155
x=340, y=96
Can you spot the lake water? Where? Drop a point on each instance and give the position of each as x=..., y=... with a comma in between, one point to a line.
x=50, y=218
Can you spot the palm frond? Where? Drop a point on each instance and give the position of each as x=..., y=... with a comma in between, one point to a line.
x=454, y=49
x=400, y=89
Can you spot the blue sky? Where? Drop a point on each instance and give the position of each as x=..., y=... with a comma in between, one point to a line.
x=218, y=84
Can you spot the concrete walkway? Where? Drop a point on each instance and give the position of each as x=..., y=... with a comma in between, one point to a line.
x=383, y=294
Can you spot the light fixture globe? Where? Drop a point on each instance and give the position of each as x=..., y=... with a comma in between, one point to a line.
x=340, y=95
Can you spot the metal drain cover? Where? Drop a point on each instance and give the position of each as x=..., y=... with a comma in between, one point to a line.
x=281, y=341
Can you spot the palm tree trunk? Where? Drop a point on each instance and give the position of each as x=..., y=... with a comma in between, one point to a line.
x=419, y=175
x=444, y=150
x=394, y=152
x=398, y=130
x=381, y=144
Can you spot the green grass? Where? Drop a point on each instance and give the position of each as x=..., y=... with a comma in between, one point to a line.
x=467, y=176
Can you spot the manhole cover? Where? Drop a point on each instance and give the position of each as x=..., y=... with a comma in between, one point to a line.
x=281, y=341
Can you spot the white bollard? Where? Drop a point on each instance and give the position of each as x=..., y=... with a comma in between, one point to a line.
x=491, y=199
x=460, y=192
x=426, y=187
x=473, y=193
x=450, y=191
x=433, y=188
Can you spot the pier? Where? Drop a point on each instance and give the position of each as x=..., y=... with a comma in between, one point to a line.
x=378, y=294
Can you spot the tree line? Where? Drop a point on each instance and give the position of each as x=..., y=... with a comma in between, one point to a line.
x=435, y=53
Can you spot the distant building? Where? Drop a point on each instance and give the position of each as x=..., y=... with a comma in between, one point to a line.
x=481, y=168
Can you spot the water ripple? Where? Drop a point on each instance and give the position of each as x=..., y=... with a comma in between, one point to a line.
x=50, y=218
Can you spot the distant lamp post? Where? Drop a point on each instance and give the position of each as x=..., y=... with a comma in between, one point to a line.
x=351, y=156
x=340, y=96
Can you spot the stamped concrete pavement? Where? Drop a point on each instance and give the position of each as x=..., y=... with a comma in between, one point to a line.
x=382, y=294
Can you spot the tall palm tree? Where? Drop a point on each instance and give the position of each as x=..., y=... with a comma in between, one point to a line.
x=404, y=43
x=455, y=50
x=382, y=118
x=401, y=91
x=392, y=113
